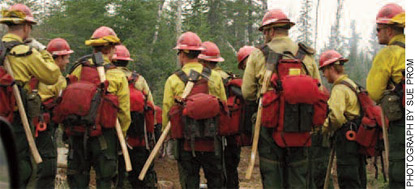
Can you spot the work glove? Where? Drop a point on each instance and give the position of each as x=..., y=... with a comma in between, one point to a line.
x=35, y=44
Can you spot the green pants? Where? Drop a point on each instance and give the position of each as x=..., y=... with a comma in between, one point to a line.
x=232, y=158
x=397, y=154
x=46, y=171
x=351, y=165
x=282, y=167
x=99, y=152
x=138, y=156
x=23, y=151
x=189, y=168
x=319, y=157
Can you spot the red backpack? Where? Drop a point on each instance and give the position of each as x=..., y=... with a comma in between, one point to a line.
x=7, y=99
x=290, y=107
x=240, y=113
x=85, y=105
x=142, y=113
x=369, y=132
x=200, y=117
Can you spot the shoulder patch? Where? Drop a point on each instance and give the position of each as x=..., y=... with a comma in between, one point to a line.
x=306, y=49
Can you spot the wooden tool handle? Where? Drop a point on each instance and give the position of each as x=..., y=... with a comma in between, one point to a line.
x=255, y=141
x=267, y=77
x=123, y=145
x=328, y=171
x=150, y=159
x=385, y=140
x=23, y=117
x=128, y=167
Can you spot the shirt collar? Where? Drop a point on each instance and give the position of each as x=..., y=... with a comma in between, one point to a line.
x=12, y=37
x=340, y=79
x=400, y=38
x=192, y=65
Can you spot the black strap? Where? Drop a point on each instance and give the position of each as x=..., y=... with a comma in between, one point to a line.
x=6, y=47
x=79, y=62
x=134, y=77
x=206, y=72
x=357, y=94
x=398, y=43
x=184, y=78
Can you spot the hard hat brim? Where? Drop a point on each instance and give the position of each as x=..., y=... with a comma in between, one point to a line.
x=261, y=28
x=211, y=58
x=61, y=53
x=191, y=48
x=121, y=58
x=332, y=61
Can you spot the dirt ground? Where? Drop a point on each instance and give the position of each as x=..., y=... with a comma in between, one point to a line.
x=167, y=173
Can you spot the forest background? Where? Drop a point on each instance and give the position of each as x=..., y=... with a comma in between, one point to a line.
x=149, y=29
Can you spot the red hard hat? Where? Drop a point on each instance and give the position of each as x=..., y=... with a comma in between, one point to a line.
x=23, y=8
x=329, y=57
x=189, y=41
x=243, y=54
x=387, y=12
x=121, y=53
x=275, y=16
x=102, y=32
x=59, y=46
x=211, y=52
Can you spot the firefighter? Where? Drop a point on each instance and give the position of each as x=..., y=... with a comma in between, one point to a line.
x=46, y=141
x=27, y=60
x=137, y=144
x=344, y=116
x=385, y=80
x=280, y=166
x=210, y=58
x=242, y=55
x=202, y=153
x=100, y=151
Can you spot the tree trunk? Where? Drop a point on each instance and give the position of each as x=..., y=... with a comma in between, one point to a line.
x=316, y=30
x=156, y=32
x=264, y=5
x=179, y=18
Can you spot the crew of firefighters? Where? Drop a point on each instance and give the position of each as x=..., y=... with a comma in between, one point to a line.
x=208, y=113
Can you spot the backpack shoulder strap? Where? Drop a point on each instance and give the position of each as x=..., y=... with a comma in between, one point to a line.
x=182, y=76
x=206, y=71
x=303, y=50
x=398, y=43
x=134, y=77
x=11, y=44
x=6, y=47
x=271, y=57
x=356, y=92
x=80, y=61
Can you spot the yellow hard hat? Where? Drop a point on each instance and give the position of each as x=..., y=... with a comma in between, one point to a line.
x=103, y=36
x=17, y=14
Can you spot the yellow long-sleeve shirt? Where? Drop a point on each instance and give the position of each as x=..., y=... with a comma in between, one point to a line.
x=343, y=104
x=51, y=91
x=255, y=66
x=38, y=64
x=388, y=63
x=118, y=85
x=222, y=73
x=175, y=87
